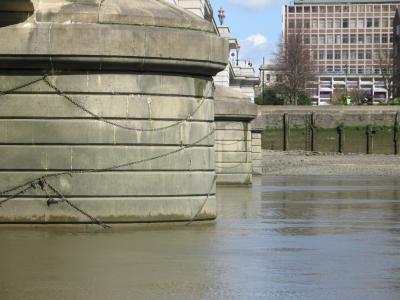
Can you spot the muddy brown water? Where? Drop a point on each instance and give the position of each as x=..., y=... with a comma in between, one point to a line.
x=282, y=238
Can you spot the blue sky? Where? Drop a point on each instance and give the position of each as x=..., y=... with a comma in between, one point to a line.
x=257, y=24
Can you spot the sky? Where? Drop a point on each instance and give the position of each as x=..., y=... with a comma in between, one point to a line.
x=257, y=24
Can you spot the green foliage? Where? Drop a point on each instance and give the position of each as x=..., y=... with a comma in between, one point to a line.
x=271, y=97
x=274, y=96
x=304, y=99
x=395, y=101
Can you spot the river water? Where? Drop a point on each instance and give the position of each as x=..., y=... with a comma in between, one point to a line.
x=282, y=238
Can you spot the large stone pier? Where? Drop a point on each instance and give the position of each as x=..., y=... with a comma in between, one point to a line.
x=106, y=112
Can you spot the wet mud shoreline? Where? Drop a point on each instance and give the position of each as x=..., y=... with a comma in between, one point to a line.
x=318, y=163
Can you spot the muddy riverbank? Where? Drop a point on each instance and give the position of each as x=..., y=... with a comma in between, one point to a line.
x=318, y=163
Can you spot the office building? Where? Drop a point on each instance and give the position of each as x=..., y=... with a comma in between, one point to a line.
x=350, y=43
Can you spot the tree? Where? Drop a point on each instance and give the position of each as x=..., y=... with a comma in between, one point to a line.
x=357, y=95
x=383, y=61
x=270, y=97
x=293, y=59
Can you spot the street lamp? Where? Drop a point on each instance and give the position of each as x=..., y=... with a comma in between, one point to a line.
x=221, y=15
x=237, y=53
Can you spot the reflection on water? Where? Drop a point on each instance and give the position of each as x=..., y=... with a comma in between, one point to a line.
x=283, y=238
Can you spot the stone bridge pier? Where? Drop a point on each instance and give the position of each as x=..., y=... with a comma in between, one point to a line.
x=106, y=112
x=233, y=141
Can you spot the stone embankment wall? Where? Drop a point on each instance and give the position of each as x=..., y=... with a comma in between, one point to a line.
x=358, y=129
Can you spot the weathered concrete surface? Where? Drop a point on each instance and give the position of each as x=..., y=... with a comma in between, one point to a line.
x=233, y=112
x=124, y=126
x=327, y=116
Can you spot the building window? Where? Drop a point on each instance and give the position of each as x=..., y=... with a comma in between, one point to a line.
x=321, y=54
x=361, y=8
x=322, y=9
x=361, y=39
x=329, y=23
x=345, y=9
x=353, y=54
x=321, y=40
x=353, y=23
x=337, y=54
x=306, y=23
x=314, y=39
x=385, y=8
x=291, y=24
x=360, y=54
x=391, y=38
x=385, y=22
x=338, y=23
x=314, y=9
x=345, y=54
x=306, y=9
x=322, y=24
x=368, y=54
x=369, y=23
x=338, y=9
x=377, y=8
x=368, y=39
x=368, y=8
x=330, y=9
x=291, y=9
x=377, y=39
x=345, y=23
x=360, y=23
x=384, y=38
x=329, y=54
x=337, y=39
x=345, y=39
x=268, y=77
x=314, y=23
x=306, y=39
x=329, y=39
x=360, y=70
x=299, y=23
x=353, y=38
x=376, y=22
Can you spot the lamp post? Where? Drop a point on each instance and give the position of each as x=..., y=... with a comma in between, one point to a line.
x=221, y=16
x=237, y=53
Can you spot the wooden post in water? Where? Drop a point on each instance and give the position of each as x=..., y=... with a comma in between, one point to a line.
x=285, y=132
x=396, y=134
x=368, y=134
x=313, y=132
x=340, y=132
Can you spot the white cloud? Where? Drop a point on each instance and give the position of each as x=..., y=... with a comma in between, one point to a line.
x=255, y=4
x=257, y=40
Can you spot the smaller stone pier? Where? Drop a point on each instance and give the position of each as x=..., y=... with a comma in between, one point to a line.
x=233, y=146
